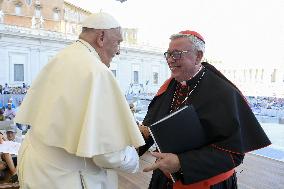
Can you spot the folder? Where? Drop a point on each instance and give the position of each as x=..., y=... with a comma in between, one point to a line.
x=178, y=132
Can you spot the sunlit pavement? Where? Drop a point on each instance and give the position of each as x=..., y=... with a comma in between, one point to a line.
x=256, y=172
x=275, y=132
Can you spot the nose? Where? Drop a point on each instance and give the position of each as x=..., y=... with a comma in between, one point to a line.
x=171, y=60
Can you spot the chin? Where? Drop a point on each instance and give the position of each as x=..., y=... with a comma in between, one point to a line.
x=179, y=78
x=176, y=76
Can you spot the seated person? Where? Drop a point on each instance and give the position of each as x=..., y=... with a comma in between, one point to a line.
x=11, y=134
x=6, y=89
x=9, y=162
x=10, y=101
x=2, y=117
x=9, y=112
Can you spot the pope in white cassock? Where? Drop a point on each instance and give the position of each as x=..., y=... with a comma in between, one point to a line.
x=82, y=130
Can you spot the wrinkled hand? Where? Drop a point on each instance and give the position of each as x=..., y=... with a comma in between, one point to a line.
x=166, y=162
x=144, y=130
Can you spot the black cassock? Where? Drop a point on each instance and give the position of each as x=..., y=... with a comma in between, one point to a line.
x=231, y=129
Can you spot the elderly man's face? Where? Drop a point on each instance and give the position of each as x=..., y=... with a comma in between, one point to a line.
x=186, y=63
x=113, y=38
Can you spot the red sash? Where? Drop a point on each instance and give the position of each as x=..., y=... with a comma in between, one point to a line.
x=205, y=184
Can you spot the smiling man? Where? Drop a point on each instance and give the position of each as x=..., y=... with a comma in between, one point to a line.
x=230, y=127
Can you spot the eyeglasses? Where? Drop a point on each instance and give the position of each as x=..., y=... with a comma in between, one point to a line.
x=176, y=55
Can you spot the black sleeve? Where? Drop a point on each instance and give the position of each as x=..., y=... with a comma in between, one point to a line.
x=204, y=163
x=147, y=121
x=149, y=142
x=227, y=118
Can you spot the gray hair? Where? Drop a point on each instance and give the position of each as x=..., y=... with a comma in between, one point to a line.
x=198, y=44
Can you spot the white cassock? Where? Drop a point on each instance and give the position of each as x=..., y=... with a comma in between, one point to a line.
x=82, y=129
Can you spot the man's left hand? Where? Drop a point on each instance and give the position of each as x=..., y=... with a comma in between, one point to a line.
x=166, y=162
x=144, y=130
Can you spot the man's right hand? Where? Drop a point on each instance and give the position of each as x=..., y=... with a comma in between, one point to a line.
x=126, y=160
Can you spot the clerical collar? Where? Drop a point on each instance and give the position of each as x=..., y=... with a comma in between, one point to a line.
x=196, y=76
x=193, y=78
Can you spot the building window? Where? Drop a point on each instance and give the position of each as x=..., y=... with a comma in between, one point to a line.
x=113, y=68
x=29, y=2
x=17, y=66
x=135, y=73
x=37, y=12
x=125, y=36
x=19, y=72
x=155, y=71
x=262, y=74
x=155, y=78
x=66, y=14
x=273, y=76
x=82, y=18
x=135, y=77
x=73, y=29
x=250, y=74
x=245, y=75
x=114, y=72
x=56, y=13
x=18, y=9
x=56, y=16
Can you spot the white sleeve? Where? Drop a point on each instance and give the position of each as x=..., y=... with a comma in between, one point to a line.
x=126, y=160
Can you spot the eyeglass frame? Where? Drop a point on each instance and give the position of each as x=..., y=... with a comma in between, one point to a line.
x=168, y=54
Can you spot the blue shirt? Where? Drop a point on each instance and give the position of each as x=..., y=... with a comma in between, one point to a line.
x=13, y=106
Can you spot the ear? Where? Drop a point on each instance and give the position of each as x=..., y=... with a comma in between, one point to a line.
x=199, y=56
x=100, y=38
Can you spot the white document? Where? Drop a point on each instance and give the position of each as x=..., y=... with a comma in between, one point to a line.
x=10, y=147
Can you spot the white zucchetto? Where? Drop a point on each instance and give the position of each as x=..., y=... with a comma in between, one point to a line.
x=100, y=20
